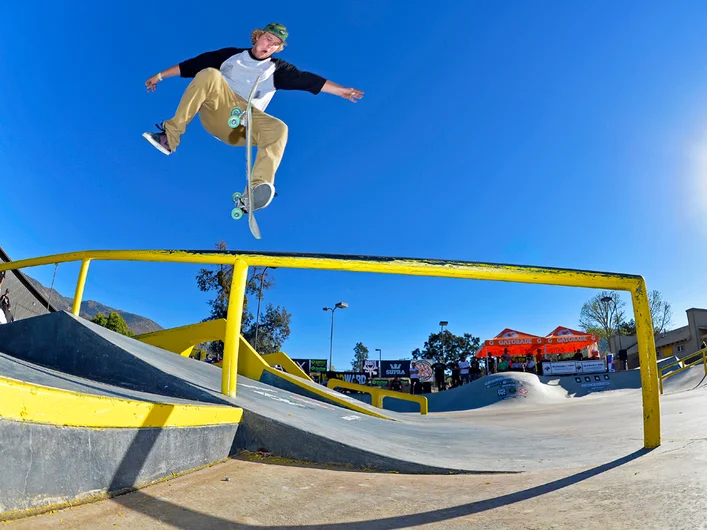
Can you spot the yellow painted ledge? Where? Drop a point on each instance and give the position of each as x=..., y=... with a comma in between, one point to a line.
x=21, y=401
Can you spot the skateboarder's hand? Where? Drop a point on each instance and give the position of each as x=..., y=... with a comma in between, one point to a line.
x=351, y=94
x=151, y=83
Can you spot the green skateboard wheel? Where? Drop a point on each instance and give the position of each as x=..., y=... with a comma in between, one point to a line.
x=236, y=196
x=234, y=122
x=236, y=213
x=236, y=112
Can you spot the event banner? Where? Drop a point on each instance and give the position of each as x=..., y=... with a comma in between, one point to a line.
x=593, y=367
x=574, y=367
x=392, y=368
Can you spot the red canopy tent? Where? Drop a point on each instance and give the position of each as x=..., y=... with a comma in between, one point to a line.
x=566, y=340
x=515, y=343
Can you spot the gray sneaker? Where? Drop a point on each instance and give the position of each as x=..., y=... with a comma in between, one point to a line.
x=263, y=195
x=159, y=139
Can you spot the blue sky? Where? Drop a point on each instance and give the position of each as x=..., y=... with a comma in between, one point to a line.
x=542, y=133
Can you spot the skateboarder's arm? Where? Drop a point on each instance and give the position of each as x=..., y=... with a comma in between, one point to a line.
x=349, y=93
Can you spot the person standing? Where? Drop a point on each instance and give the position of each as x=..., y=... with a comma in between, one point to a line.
x=414, y=379
x=6, y=306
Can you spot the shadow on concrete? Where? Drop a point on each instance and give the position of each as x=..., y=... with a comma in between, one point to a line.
x=184, y=518
x=128, y=472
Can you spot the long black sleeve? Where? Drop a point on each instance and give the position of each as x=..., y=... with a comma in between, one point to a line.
x=287, y=77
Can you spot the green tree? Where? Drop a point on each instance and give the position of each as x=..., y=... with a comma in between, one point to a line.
x=604, y=318
x=273, y=326
x=360, y=357
x=661, y=312
x=114, y=322
x=273, y=330
x=628, y=328
x=447, y=347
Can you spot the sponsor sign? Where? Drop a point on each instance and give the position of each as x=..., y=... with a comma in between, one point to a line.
x=310, y=366
x=303, y=364
x=562, y=368
x=573, y=367
x=359, y=378
x=390, y=369
x=425, y=370
x=593, y=367
x=371, y=368
x=318, y=365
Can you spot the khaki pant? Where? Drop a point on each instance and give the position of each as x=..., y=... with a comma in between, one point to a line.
x=209, y=95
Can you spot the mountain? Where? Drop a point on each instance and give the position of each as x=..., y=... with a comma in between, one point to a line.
x=90, y=308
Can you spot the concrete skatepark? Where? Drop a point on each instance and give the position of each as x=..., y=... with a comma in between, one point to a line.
x=89, y=414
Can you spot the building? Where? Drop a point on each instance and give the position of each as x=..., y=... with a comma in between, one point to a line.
x=26, y=300
x=680, y=342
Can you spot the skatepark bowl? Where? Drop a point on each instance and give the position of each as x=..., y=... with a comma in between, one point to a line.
x=86, y=413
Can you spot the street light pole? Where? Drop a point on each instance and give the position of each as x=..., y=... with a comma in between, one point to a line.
x=442, y=325
x=339, y=305
x=380, y=362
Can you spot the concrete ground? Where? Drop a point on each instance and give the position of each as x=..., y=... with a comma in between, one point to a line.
x=614, y=485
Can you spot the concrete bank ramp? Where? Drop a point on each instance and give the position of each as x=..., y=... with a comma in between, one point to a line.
x=691, y=379
x=285, y=423
x=511, y=389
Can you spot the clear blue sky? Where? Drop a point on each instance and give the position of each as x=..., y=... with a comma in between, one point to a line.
x=543, y=133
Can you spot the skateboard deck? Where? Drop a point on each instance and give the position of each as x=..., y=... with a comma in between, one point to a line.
x=236, y=119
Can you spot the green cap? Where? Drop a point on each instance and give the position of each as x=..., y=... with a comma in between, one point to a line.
x=276, y=29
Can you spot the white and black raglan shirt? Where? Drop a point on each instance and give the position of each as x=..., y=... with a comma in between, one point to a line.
x=241, y=69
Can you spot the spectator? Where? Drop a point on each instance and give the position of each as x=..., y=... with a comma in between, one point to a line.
x=578, y=356
x=439, y=369
x=530, y=365
x=395, y=384
x=516, y=364
x=475, y=369
x=502, y=365
x=464, y=370
x=455, y=374
x=2, y=277
x=490, y=365
x=414, y=379
x=6, y=306
x=623, y=358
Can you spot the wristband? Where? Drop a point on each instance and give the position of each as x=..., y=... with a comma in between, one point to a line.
x=159, y=76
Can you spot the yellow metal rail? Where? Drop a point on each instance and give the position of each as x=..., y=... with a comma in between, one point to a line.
x=241, y=260
x=379, y=394
x=702, y=359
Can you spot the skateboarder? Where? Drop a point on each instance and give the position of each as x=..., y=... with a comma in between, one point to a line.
x=222, y=80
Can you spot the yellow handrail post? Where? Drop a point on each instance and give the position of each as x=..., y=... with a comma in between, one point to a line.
x=704, y=360
x=80, y=285
x=229, y=371
x=648, y=366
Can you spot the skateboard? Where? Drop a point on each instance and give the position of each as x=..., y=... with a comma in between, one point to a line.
x=238, y=117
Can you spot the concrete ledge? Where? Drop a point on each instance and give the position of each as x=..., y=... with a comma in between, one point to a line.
x=47, y=467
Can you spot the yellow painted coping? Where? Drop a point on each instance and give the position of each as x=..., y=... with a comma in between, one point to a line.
x=379, y=394
x=21, y=401
x=290, y=366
